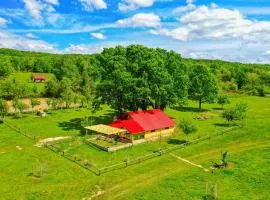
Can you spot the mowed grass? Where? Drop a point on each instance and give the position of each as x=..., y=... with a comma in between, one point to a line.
x=25, y=78
x=68, y=123
x=159, y=178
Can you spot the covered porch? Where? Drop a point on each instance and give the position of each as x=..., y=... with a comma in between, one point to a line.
x=107, y=133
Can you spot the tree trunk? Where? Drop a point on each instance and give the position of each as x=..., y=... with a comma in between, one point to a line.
x=200, y=104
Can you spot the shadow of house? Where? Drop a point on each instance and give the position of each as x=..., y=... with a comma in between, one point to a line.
x=77, y=123
x=189, y=109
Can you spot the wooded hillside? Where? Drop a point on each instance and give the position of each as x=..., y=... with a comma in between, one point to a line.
x=131, y=78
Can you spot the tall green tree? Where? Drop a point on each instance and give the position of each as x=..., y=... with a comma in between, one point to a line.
x=139, y=77
x=5, y=67
x=203, y=85
x=52, y=88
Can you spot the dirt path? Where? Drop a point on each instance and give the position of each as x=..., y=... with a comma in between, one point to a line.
x=189, y=162
x=41, y=143
x=43, y=105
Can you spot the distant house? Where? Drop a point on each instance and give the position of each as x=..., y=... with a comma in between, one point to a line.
x=39, y=78
x=145, y=124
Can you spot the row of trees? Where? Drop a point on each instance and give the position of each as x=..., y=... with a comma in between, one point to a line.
x=131, y=78
x=138, y=77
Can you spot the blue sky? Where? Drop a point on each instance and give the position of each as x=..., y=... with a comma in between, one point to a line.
x=234, y=30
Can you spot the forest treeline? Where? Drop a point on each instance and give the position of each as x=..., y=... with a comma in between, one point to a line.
x=131, y=78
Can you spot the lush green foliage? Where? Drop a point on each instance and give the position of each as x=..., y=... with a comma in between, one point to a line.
x=131, y=78
x=3, y=108
x=203, y=85
x=187, y=127
x=223, y=100
x=138, y=77
x=236, y=113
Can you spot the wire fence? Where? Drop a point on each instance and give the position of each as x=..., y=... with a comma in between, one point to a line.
x=127, y=162
x=160, y=152
x=52, y=146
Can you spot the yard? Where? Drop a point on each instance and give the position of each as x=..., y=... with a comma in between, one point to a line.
x=63, y=179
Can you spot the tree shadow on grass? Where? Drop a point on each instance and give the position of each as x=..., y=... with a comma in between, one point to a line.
x=18, y=117
x=176, y=141
x=218, y=108
x=76, y=123
x=189, y=109
x=223, y=124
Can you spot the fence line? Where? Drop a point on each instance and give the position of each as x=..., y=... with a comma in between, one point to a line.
x=75, y=159
x=160, y=152
x=98, y=171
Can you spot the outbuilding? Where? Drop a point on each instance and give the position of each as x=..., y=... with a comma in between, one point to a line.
x=39, y=78
x=145, y=124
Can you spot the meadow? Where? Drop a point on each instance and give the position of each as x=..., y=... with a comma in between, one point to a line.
x=158, y=178
x=24, y=78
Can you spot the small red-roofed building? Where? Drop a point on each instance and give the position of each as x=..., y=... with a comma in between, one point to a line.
x=39, y=78
x=146, y=124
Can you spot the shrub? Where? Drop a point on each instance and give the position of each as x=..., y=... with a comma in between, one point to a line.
x=187, y=127
x=236, y=113
x=222, y=100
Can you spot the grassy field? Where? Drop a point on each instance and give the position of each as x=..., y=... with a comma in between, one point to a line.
x=159, y=178
x=25, y=78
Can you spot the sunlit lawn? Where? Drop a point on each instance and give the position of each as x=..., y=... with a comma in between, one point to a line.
x=159, y=178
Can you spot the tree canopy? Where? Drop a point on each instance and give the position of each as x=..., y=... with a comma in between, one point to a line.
x=203, y=86
x=129, y=78
x=138, y=77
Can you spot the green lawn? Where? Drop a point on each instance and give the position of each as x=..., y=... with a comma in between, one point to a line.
x=159, y=178
x=25, y=78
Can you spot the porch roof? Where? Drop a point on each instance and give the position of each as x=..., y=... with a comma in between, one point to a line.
x=106, y=130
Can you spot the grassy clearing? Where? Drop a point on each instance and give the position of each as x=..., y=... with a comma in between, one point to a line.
x=25, y=78
x=158, y=178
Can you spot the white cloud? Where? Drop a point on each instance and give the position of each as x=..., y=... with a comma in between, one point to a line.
x=3, y=22
x=53, y=18
x=91, y=49
x=127, y=5
x=183, y=9
x=140, y=20
x=267, y=53
x=72, y=30
x=178, y=33
x=99, y=36
x=216, y=23
x=37, y=9
x=8, y=40
x=90, y=5
x=214, y=5
x=190, y=1
x=54, y=2
x=83, y=49
x=34, y=8
x=31, y=35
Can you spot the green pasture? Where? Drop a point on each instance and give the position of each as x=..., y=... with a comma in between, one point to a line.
x=159, y=178
x=25, y=78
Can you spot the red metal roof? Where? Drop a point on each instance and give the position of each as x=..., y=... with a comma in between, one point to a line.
x=142, y=121
x=39, y=77
x=130, y=125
